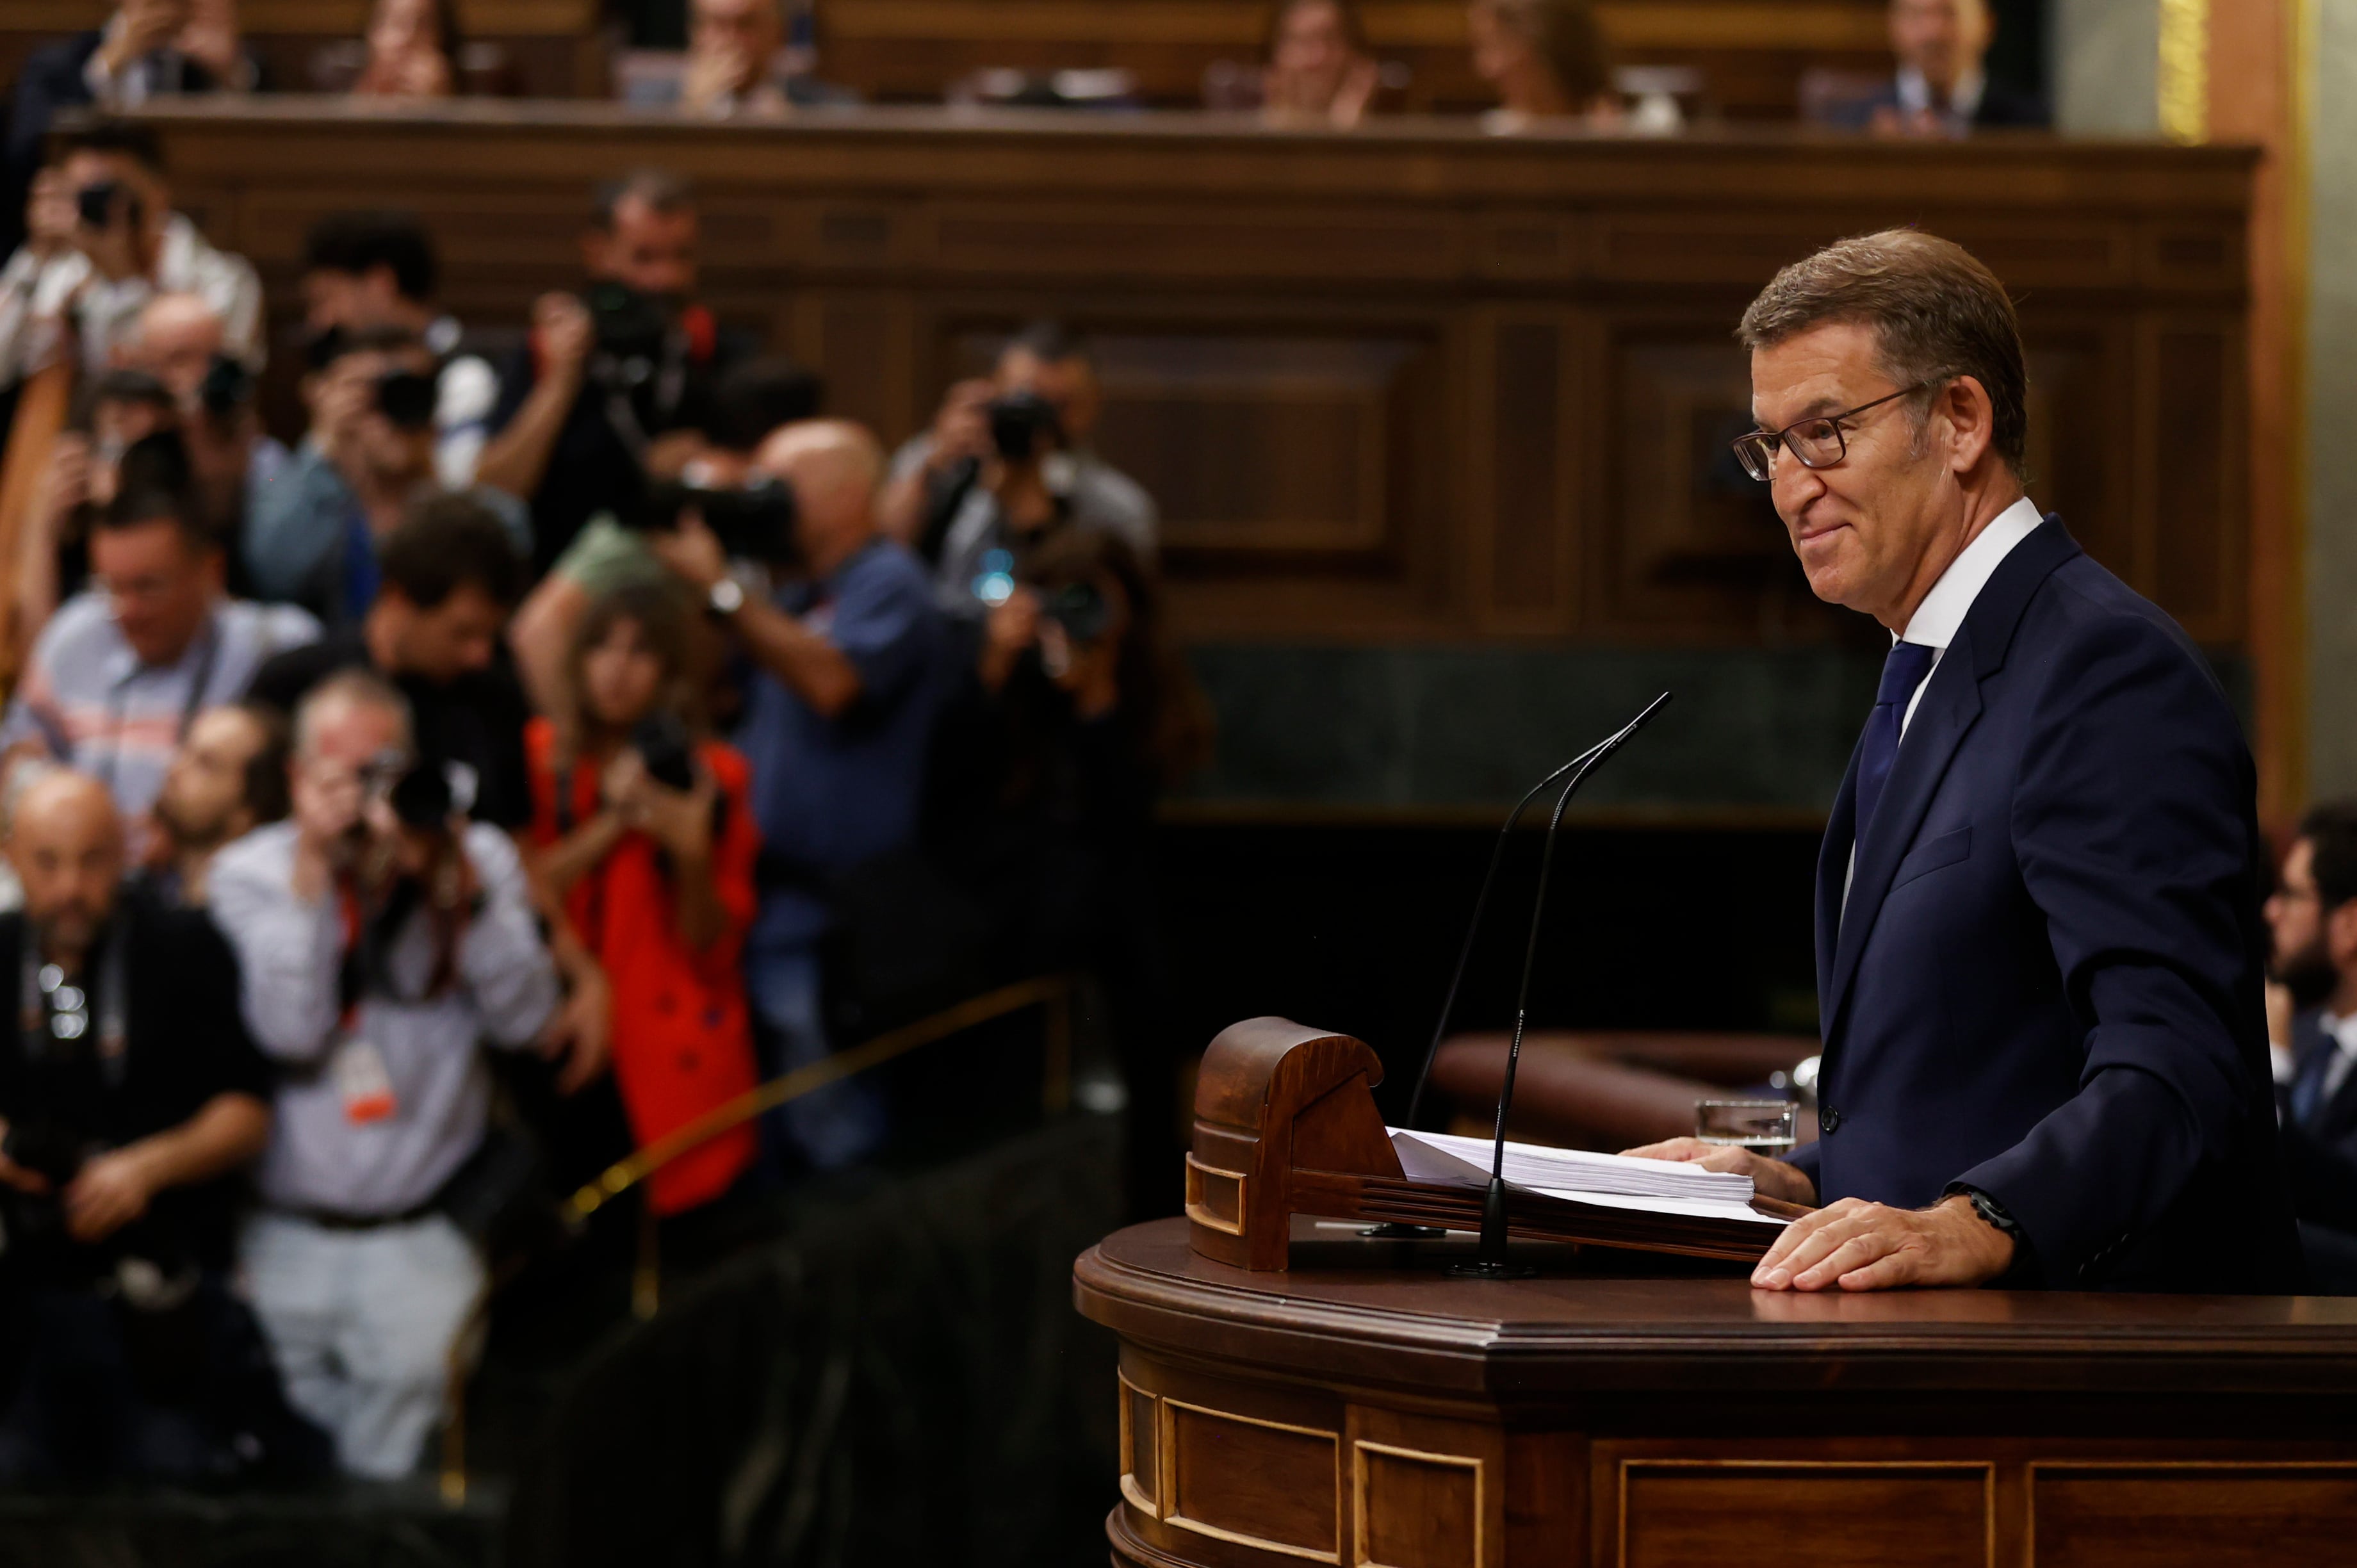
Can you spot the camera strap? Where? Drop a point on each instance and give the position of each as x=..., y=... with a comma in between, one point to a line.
x=191, y=705
x=54, y=1019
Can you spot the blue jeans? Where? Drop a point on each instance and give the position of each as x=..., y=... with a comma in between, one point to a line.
x=838, y=1124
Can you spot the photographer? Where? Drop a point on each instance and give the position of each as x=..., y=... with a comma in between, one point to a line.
x=124, y=666
x=645, y=838
x=1006, y=462
x=850, y=658
x=131, y=1097
x=616, y=384
x=182, y=342
x=312, y=531
x=228, y=778
x=101, y=239
x=1076, y=718
x=117, y=411
x=382, y=938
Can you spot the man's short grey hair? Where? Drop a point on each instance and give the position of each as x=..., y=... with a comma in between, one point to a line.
x=354, y=689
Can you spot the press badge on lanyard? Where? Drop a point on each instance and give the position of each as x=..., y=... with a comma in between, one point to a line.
x=357, y=1068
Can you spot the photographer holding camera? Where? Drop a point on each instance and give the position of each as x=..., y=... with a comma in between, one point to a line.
x=130, y=1098
x=384, y=939
x=644, y=836
x=1006, y=462
x=101, y=239
x=616, y=382
x=850, y=661
x=312, y=531
x=1048, y=763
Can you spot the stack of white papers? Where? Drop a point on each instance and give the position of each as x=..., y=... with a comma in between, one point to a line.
x=1612, y=1181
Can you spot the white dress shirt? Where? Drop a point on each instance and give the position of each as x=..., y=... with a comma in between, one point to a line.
x=2344, y=1057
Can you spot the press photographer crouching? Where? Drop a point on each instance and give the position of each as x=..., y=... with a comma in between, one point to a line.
x=131, y=1096
x=384, y=939
x=643, y=835
x=1078, y=715
x=1006, y=462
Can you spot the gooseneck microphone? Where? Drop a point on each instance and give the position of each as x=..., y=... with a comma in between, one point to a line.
x=1492, y=1263
x=1396, y=1230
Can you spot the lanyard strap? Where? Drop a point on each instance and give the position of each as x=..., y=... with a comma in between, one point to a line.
x=189, y=706
x=34, y=1014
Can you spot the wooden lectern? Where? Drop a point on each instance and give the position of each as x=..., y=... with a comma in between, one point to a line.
x=1291, y=1392
x=1286, y=1123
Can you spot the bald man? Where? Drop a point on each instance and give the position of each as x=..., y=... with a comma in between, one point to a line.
x=853, y=661
x=124, y=1127
x=1940, y=89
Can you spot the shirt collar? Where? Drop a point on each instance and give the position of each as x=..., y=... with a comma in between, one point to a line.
x=2343, y=1031
x=1937, y=619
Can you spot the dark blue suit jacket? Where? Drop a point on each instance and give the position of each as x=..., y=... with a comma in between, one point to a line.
x=2047, y=981
x=2320, y=1155
x=2000, y=108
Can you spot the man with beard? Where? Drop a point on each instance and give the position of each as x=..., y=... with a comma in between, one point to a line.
x=228, y=778
x=616, y=383
x=2313, y=921
x=130, y=1097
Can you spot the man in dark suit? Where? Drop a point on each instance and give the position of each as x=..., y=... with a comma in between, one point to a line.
x=2313, y=919
x=1940, y=88
x=2039, y=947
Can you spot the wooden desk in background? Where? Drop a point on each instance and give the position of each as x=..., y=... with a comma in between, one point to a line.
x=1356, y=1411
x=1410, y=385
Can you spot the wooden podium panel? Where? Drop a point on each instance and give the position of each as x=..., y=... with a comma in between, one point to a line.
x=1365, y=1409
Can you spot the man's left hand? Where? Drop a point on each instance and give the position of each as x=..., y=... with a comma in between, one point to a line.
x=1860, y=1246
x=692, y=551
x=579, y=1035
x=112, y=1190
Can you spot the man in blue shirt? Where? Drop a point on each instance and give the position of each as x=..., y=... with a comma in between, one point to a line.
x=851, y=659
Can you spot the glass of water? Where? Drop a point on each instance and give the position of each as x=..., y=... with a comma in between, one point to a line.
x=1762, y=1126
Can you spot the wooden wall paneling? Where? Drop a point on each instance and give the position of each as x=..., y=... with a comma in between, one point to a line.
x=1534, y=457
x=2193, y=386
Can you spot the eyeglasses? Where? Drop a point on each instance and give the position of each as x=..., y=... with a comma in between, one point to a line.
x=1817, y=441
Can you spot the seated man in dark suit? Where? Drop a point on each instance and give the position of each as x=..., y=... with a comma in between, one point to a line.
x=2313, y=917
x=2039, y=947
x=1939, y=88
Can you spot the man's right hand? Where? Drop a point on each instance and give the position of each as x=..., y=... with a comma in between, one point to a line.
x=326, y=797
x=962, y=428
x=565, y=334
x=1770, y=1178
x=342, y=399
x=64, y=485
x=50, y=215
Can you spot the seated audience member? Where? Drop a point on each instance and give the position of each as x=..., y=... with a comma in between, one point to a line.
x=124, y=667
x=732, y=58
x=101, y=241
x=131, y=1098
x=413, y=50
x=849, y=659
x=2312, y=919
x=447, y=576
x=1076, y=718
x=367, y=269
x=384, y=939
x=119, y=410
x=614, y=386
x=228, y=778
x=182, y=342
x=753, y=399
x=1318, y=71
x=1545, y=59
x=312, y=533
x=1939, y=88
x=1007, y=460
x=644, y=837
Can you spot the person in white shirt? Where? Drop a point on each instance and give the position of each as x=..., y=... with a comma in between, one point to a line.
x=101, y=242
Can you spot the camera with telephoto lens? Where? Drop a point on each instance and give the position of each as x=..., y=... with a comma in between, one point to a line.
x=752, y=523
x=1080, y=608
x=95, y=204
x=228, y=386
x=631, y=331
x=420, y=798
x=1024, y=426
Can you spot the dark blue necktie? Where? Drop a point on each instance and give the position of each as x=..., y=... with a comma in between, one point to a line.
x=2307, y=1089
x=1902, y=673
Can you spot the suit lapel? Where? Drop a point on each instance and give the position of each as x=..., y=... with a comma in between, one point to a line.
x=1950, y=705
x=1833, y=872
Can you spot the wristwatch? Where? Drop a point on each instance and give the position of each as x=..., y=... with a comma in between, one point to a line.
x=727, y=597
x=1994, y=1215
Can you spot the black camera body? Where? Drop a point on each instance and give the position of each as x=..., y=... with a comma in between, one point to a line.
x=1080, y=608
x=630, y=329
x=1024, y=426
x=406, y=399
x=421, y=798
x=663, y=744
x=228, y=386
x=95, y=204
x=755, y=523
x=53, y=1152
